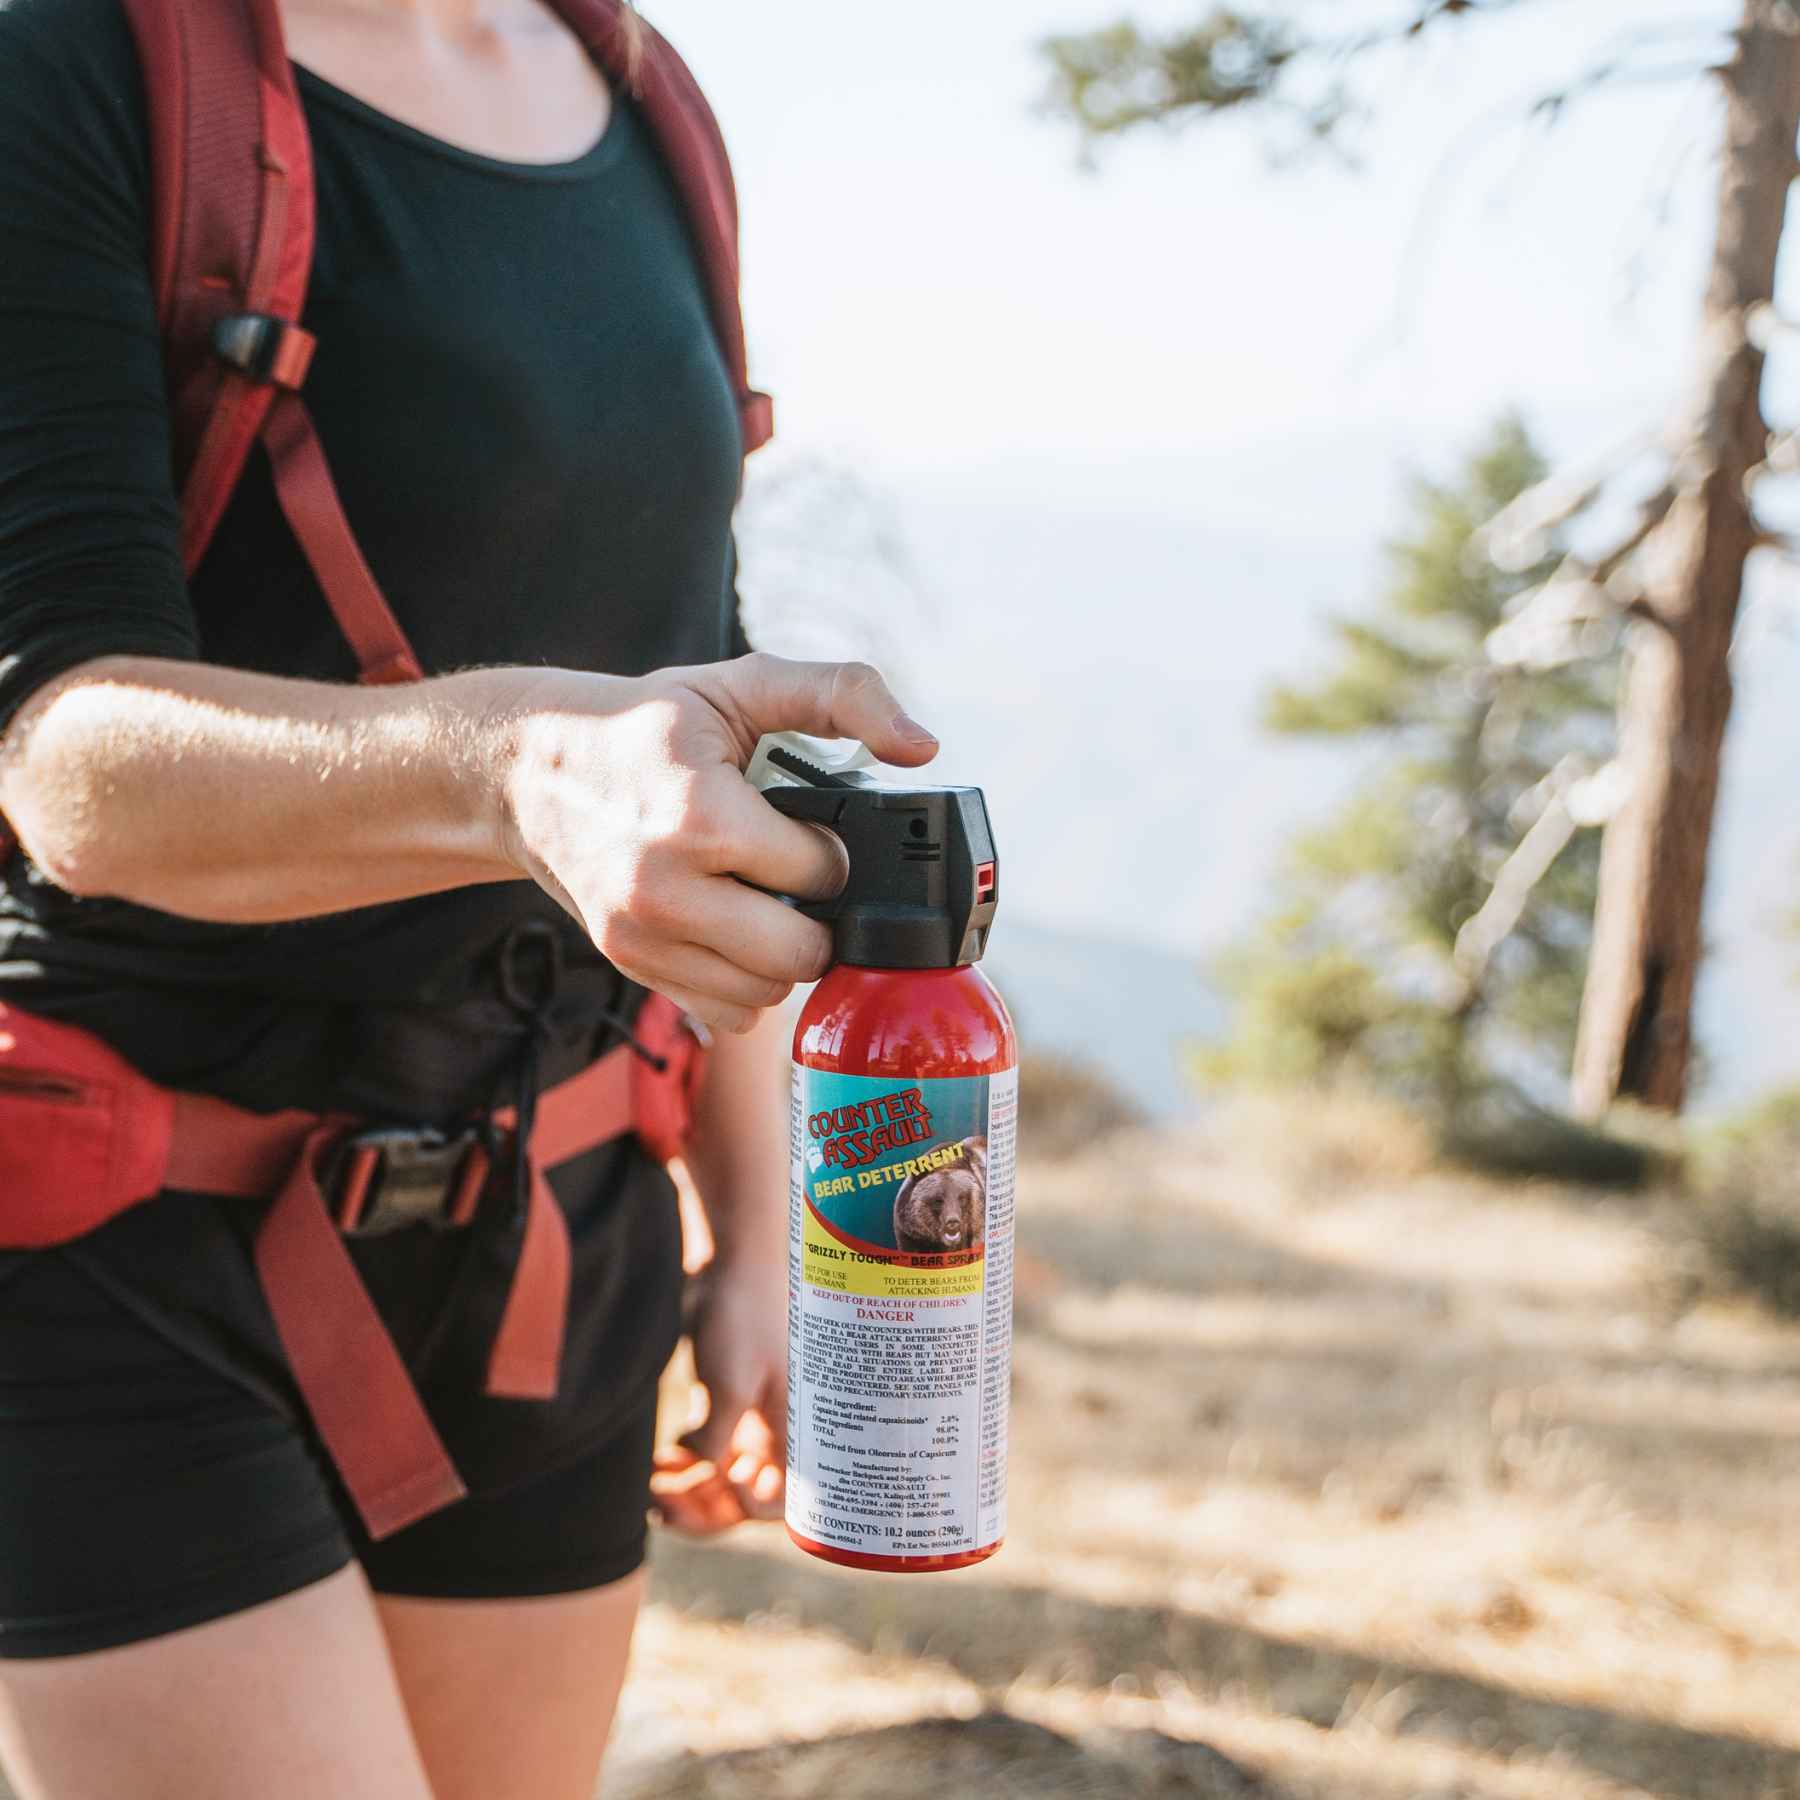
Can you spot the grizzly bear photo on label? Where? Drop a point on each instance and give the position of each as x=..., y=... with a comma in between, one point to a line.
x=945, y=1209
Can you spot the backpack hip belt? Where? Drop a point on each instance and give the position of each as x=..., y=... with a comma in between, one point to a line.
x=84, y=1136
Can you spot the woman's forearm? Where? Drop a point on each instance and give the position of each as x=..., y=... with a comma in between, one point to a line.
x=244, y=798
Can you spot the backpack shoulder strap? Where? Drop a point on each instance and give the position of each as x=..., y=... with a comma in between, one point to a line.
x=233, y=218
x=231, y=231
x=638, y=59
x=232, y=223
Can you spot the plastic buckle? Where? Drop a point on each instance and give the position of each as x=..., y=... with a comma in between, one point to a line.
x=267, y=349
x=387, y=1178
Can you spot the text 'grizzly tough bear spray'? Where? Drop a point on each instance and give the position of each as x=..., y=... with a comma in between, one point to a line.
x=901, y=1235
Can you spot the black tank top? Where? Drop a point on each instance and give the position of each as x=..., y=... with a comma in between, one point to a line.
x=536, y=443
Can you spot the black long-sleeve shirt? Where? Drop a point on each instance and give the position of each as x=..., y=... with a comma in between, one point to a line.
x=535, y=440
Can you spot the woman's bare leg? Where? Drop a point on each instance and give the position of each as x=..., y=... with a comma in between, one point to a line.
x=291, y=1700
x=513, y=1699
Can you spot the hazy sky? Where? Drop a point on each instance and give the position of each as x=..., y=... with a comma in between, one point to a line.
x=934, y=286
x=1143, y=424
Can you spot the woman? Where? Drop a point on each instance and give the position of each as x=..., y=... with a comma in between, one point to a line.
x=259, y=881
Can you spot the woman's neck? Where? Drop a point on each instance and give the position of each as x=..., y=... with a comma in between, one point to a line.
x=446, y=18
x=503, y=78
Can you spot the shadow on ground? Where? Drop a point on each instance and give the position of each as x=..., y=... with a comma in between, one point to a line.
x=995, y=1757
x=980, y=1633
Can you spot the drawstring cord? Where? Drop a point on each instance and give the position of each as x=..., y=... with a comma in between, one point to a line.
x=622, y=1026
x=532, y=1000
x=532, y=996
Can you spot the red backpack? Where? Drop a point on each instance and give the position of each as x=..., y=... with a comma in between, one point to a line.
x=83, y=1135
x=232, y=248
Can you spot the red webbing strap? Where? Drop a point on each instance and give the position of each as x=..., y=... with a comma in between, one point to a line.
x=694, y=149
x=618, y=1093
x=526, y=1360
x=362, y=1399
x=232, y=232
x=574, y=1116
x=581, y=1113
x=356, y=1387
x=309, y=498
x=218, y=1148
x=664, y=1092
x=232, y=222
x=391, y=1459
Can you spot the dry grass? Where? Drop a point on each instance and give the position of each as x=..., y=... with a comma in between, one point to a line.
x=1337, y=1137
x=1066, y=1105
x=1327, y=1483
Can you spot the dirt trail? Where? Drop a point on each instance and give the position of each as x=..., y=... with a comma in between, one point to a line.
x=1420, y=1490
x=1323, y=1489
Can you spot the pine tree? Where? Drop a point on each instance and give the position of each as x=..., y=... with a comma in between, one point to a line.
x=1678, y=573
x=1368, y=964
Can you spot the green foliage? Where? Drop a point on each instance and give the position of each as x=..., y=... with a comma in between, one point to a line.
x=1746, y=1208
x=1308, y=1013
x=1115, y=78
x=1119, y=77
x=1358, y=973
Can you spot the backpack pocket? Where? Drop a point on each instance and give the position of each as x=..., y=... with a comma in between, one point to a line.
x=83, y=1135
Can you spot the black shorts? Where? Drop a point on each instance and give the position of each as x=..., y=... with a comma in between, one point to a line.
x=158, y=1471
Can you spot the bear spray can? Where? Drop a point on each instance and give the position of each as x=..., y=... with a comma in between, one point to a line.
x=900, y=1244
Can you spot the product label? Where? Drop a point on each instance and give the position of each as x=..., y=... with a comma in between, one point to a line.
x=900, y=1311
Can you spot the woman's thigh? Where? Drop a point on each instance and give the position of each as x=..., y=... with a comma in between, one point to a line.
x=510, y=1616
x=513, y=1699
x=149, y=1502
x=289, y=1700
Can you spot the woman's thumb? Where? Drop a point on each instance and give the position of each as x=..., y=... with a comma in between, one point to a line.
x=835, y=700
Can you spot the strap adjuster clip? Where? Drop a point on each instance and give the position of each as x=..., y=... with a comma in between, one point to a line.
x=276, y=352
x=388, y=1177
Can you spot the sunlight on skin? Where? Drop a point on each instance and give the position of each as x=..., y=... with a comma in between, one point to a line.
x=689, y=1493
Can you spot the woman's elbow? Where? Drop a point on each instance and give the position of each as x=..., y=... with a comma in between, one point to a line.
x=58, y=796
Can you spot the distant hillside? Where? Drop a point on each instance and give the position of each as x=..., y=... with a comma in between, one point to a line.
x=1125, y=1008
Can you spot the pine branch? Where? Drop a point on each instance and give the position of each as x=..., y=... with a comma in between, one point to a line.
x=1613, y=71
x=1551, y=625
x=1575, y=797
x=1117, y=78
x=1650, y=516
x=1518, y=535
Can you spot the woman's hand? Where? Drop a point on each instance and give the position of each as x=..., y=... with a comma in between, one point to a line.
x=732, y=1467
x=625, y=800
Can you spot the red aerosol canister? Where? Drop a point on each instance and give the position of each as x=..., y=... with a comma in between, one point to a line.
x=901, y=1212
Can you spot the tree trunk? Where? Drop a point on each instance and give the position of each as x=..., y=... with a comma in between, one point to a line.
x=1634, y=1037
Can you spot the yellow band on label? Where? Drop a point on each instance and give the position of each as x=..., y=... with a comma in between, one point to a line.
x=830, y=1264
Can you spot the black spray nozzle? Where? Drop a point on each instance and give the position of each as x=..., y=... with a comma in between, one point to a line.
x=782, y=758
x=924, y=881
